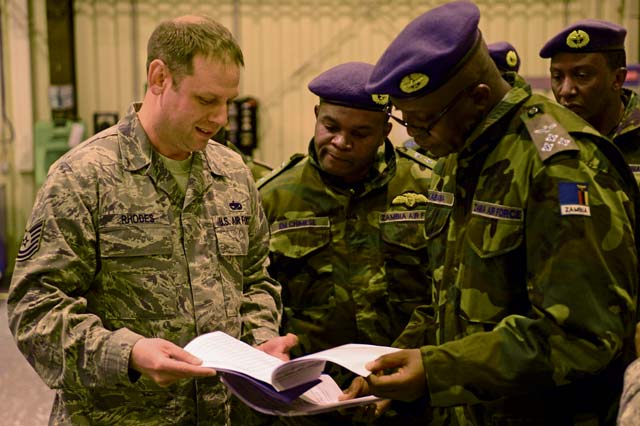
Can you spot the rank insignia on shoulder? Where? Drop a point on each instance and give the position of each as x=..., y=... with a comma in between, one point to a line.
x=574, y=199
x=292, y=161
x=409, y=199
x=31, y=242
x=548, y=135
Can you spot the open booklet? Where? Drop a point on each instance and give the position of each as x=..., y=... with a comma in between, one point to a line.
x=273, y=386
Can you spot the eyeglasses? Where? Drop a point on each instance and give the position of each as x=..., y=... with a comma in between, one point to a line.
x=426, y=130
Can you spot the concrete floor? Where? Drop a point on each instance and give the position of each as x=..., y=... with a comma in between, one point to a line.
x=24, y=399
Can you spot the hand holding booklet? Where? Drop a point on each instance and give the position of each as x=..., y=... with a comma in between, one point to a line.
x=284, y=388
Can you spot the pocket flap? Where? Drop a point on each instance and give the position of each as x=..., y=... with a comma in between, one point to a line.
x=135, y=240
x=296, y=238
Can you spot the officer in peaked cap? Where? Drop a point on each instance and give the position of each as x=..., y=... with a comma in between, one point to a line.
x=588, y=70
x=524, y=222
x=347, y=230
x=505, y=56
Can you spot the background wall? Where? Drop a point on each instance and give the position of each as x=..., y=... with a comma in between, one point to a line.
x=286, y=43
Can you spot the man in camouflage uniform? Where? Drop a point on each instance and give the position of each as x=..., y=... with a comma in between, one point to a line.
x=347, y=225
x=143, y=237
x=588, y=69
x=531, y=222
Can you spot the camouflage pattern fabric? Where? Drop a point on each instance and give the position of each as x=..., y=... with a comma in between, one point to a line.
x=258, y=168
x=627, y=135
x=629, y=414
x=531, y=230
x=352, y=261
x=114, y=252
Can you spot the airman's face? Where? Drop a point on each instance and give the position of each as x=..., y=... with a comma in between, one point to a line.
x=195, y=109
x=584, y=83
x=347, y=139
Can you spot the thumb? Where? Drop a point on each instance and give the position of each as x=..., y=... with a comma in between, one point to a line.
x=385, y=361
x=180, y=354
x=290, y=340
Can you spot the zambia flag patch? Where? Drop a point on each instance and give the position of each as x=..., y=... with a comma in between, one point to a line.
x=574, y=199
x=30, y=242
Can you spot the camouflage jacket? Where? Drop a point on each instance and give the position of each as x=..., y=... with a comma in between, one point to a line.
x=113, y=251
x=352, y=261
x=627, y=135
x=531, y=230
x=629, y=414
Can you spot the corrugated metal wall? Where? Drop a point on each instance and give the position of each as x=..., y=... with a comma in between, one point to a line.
x=288, y=42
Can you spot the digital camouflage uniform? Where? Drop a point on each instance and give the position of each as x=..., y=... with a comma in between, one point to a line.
x=352, y=261
x=626, y=135
x=535, y=309
x=629, y=414
x=258, y=169
x=114, y=251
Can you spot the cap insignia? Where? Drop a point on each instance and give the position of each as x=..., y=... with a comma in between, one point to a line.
x=380, y=99
x=413, y=82
x=577, y=39
x=512, y=58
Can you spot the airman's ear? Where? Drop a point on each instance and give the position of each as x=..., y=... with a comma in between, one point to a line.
x=620, y=77
x=158, y=76
x=481, y=95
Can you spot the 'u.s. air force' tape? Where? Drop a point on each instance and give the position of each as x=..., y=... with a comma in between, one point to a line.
x=30, y=242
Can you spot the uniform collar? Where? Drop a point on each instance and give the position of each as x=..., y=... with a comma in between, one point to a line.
x=382, y=170
x=519, y=93
x=137, y=151
x=631, y=117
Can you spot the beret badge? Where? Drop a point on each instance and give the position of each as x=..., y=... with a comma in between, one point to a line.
x=380, y=99
x=413, y=82
x=577, y=39
x=512, y=58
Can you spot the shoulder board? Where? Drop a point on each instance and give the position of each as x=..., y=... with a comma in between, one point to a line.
x=547, y=134
x=292, y=161
x=416, y=156
x=261, y=164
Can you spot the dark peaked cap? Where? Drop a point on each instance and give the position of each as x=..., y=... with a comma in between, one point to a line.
x=585, y=36
x=344, y=85
x=429, y=50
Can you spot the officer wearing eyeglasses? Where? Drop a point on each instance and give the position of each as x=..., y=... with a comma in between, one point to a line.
x=531, y=226
x=347, y=230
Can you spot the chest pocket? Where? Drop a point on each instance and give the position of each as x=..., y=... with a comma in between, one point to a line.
x=493, y=281
x=302, y=261
x=436, y=220
x=232, y=234
x=403, y=228
x=492, y=237
x=297, y=238
x=137, y=273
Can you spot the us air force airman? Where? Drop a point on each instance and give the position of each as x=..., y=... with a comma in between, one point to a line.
x=347, y=226
x=588, y=70
x=143, y=237
x=531, y=223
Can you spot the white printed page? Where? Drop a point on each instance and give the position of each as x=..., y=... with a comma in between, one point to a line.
x=353, y=356
x=220, y=351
